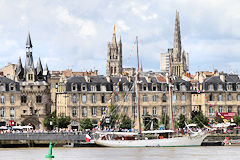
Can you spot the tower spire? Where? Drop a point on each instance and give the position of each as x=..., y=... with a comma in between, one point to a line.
x=114, y=41
x=29, y=42
x=177, y=39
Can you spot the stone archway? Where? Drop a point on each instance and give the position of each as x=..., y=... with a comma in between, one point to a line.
x=32, y=120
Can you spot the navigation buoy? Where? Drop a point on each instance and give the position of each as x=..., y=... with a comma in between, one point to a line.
x=50, y=151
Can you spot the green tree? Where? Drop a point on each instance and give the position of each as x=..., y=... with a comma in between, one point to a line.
x=199, y=119
x=51, y=118
x=236, y=120
x=63, y=121
x=86, y=123
x=155, y=123
x=147, y=121
x=181, y=121
x=126, y=122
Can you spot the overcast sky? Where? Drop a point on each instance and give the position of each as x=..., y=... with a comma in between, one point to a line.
x=75, y=33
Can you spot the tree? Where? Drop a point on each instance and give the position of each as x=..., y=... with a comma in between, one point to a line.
x=126, y=122
x=181, y=121
x=86, y=123
x=236, y=120
x=63, y=121
x=51, y=118
x=199, y=119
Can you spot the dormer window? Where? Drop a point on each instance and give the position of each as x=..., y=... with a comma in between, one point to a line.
x=145, y=87
x=154, y=88
x=30, y=77
x=229, y=87
x=2, y=87
x=93, y=88
x=183, y=88
x=220, y=88
x=83, y=87
x=125, y=88
x=74, y=87
x=238, y=87
x=103, y=88
x=11, y=87
x=210, y=87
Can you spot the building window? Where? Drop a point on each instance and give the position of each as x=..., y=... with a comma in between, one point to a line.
x=2, y=112
x=83, y=87
x=23, y=99
x=74, y=87
x=174, y=97
x=30, y=76
x=154, y=111
x=125, y=98
x=229, y=108
x=220, y=88
x=94, y=111
x=144, y=87
x=116, y=98
x=134, y=110
x=220, y=109
x=164, y=109
x=183, y=88
x=144, y=110
x=174, y=110
x=183, y=98
x=144, y=98
x=74, y=99
x=238, y=87
x=125, y=88
x=210, y=87
x=74, y=112
x=103, y=110
x=12, y=99
x=154, y=98
x=2, y=99
x=238, y=110
x=154, y=88
x=103, y=99
x=164, y=98
x=93, y=98
x=126, y=110
x=12, y=112
x=238, y=97
x=211, y=111
x=220, y=97
x=229, y=97
x=38, y=99
x=103, y=88
x=229, y=87
x=84, y=98
x=84, y=111
x=211, y=97
x=24, y=111
x=93, y=88
x=183, y=110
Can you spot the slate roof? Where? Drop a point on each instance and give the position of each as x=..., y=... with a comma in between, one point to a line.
x=214, y=79
x=98, y=79
x=76, y=79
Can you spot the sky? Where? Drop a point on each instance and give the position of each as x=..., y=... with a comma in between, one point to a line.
x=74, y=34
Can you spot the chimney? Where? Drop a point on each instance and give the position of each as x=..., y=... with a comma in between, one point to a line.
x=222, y=77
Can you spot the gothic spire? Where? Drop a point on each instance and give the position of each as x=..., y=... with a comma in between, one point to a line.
x=177, y=38
x=29, y=42
x=39, y=68
x=114, y=41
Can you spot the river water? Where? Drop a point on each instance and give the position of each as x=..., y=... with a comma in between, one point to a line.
x=175, y=153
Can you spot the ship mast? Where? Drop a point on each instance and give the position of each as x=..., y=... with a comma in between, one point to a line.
x=170, y=85
x=138, y=93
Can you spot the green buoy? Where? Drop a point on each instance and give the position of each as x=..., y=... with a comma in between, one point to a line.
x=50, y=151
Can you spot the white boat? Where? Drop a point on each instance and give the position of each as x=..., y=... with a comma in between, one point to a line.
x=158, y=138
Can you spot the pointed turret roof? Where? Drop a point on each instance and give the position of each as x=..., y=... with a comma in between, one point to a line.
x=19, y=68
x=177, y=37
x=45, y=71
x=29, y=42
x=39, y=68
x=114, y=41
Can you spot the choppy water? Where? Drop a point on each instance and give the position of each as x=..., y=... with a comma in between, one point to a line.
x=176, y=153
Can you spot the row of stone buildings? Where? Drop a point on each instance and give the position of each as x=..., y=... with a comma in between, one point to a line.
x=29, y=94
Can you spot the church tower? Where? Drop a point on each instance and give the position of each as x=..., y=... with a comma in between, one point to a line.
x=178, y=58
x=29, y=70
x=114, y=57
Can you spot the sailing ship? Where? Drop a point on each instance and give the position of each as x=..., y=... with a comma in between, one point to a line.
x=156, y=138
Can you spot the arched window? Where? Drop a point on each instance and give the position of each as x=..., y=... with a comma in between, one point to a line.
x=183, y=98
x=164, y=98
x=115, y=70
